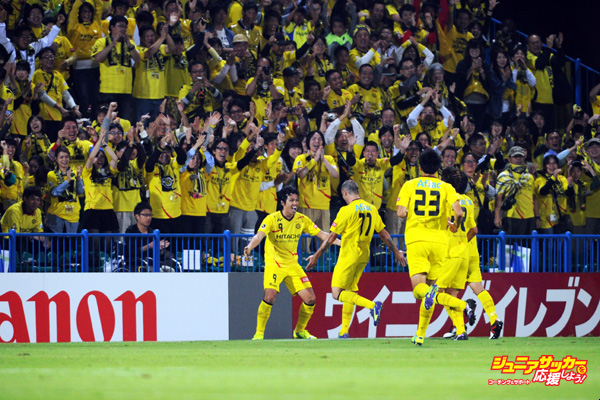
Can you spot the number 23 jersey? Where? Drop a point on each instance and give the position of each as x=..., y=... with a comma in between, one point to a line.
x=357, y=222
x=426, y=200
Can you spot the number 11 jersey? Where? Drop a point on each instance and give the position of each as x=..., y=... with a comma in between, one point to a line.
x=357, y=222
x=426, y=200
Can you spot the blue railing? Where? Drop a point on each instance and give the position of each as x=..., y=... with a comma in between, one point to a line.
x=582, y=77
x=156, y=252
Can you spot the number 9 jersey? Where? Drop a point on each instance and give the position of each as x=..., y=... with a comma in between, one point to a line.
x=427, y=201
x=357, y=222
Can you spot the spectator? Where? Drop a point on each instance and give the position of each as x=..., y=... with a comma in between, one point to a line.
x=592, y=209
x=66, y=186
x=550, y=193
x=514, y=198
x=472, y=75
x=11, y=194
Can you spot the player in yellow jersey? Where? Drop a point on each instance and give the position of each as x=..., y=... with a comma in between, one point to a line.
x=282, y=230
x=454, y=275
x=357, y=222
x=423, y=201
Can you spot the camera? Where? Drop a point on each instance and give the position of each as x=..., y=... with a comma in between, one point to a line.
x=331, y=116
x=289, y=110
x=266, y=70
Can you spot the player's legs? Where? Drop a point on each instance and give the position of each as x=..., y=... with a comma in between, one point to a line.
x=305, y=312
x=264, y=312
x=474, y=280
x=347, y=312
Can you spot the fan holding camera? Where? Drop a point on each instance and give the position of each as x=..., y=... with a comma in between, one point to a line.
x=261, y=88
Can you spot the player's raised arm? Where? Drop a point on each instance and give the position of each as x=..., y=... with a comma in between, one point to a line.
x=260, y=235
x=387, y=240
x=327, y=241
x=458, y=216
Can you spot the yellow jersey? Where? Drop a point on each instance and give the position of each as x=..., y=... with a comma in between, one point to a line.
x=98, y=192
x=65, y=206
x=357, y=222
x=116, y=72
x=457, y=241
x=194, y=189
x=54, y=85
x=126, y=187
x=164, y=185
x=315, y=187
x=356, y=54
x=267, y=199
x=427, y=201
x=283, y=235
x=150, y=79
x=370, y=179
x=15, y=218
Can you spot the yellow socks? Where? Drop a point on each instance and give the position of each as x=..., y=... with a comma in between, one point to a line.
x=457, y=319
x=420, y=290
x=304, y=314
x=264, y=312
x=488, y=305
x=347, y=310
x=354, y=298
x=424, y=318
x=446, y=300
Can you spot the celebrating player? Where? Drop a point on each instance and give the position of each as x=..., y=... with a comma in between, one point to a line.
x=357, y=222
x=282, y=230
x=423, y=201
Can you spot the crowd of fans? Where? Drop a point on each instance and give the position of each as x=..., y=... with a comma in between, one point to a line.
x=204, y=111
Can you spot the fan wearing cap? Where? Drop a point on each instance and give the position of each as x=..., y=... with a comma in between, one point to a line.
x=514, y=196
x=290, y=87
x=363, y=53
x=245, y=63
x=592, y=209
x=245, y=26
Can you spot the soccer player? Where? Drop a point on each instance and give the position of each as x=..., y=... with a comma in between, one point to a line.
x=454, y=275
x=423, y=201
x=282, y=230
x=356, y=222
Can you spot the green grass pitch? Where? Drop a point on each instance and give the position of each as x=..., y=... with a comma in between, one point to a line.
x=286, y=369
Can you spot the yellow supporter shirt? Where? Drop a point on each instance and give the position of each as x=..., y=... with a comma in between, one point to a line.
x=215, y=70
x=544, y=80
x=220, y=186
x=333, y=152
x=523, y=208
x=356, y=54
x=13, y=192
x=370, y=180
x=320, y=68
x=126, y=187
x=98, y=195
x=83, y=36
x=357, y=222
x=234, y=12
x=65, y=206
x=335, y=100
x=267, y=199
x=15, y=218
x=115, y=76
x=401, y=174
x=5, y=94
x=164, y=185
x=435, y=132
x=375, y=99
x=457, y=242
x=79, y=151
x=130, y=26
x=281, y=247
x=299, y=33
x=64, y=50
x=280, y=63
x=547, y=207
x=592, y=204
x=150, y=79
x=55, y=85
x=254, y=35
x=453, y=45
x=202, y=103
x=22, y=114
x=426, y=200
x=194, y=189
x=315, y=187
x=177, y=71
x=247, y=186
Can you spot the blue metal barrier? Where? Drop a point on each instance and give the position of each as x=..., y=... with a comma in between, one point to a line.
x=156, y=252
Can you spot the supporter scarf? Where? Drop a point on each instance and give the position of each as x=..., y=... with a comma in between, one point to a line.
x=128, y=179
x=199, y=184
x=578, y=197
x=168, y=179
x=37, y=149
x=115, y=58
x=507, y=182
x=99, y=176
x=69, y=194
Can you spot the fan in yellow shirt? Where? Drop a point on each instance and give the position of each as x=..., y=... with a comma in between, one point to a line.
x=362, y=53
x=356, y=222
x=282, y=230
x=423, y=202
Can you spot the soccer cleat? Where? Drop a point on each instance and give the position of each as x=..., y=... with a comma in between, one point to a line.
x=344, y=336
x=496, y=329
x=430, y=296
x=376, y=312
x=303, y=335
x=451, y=334
x=258, y=336
x=418, y=340
x=462, y=336
x=470, y=311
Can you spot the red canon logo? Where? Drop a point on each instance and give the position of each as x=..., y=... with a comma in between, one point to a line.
x=83, y=317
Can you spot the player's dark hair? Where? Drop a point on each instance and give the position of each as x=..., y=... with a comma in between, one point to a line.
x=430, y=161
x=283, y=195
x=457, y=178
